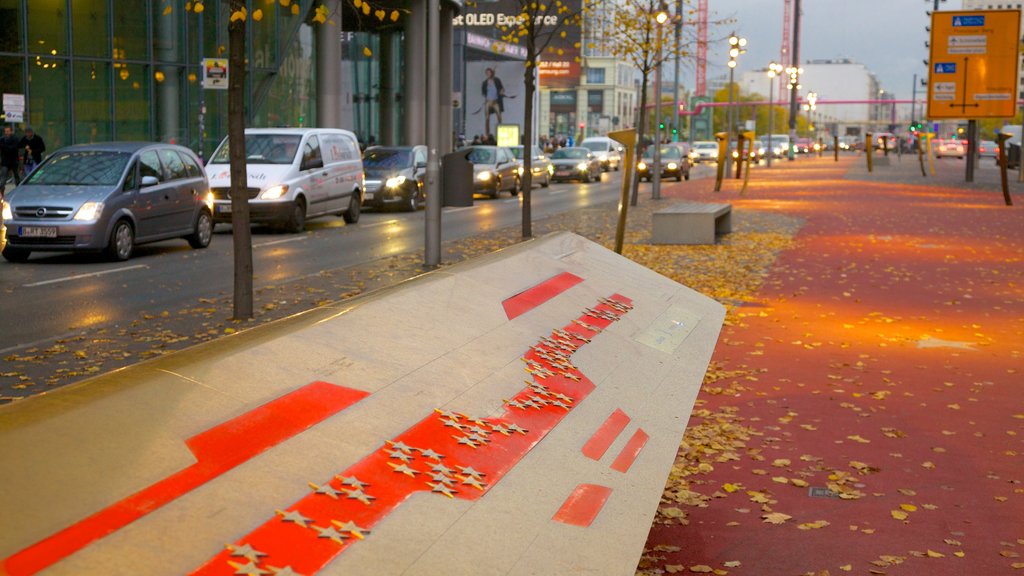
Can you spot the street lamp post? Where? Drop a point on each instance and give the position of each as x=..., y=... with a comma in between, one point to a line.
x=809, y=107
x=794, y=89
x=659, y=19
x=737, y=46
x=774, y=69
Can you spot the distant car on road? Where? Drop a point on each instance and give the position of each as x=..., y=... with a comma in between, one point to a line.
x=704, y=151
x=395, y=176
x=987, y=149
x=540, y=165
x=576, y=164
x=608, y=151
x=673, y=164
x=949, y=148
x=494, y=169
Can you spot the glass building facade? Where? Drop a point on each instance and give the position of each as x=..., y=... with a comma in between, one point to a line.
x=102, y=70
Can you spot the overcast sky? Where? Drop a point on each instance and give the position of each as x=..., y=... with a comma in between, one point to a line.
x=888, y=36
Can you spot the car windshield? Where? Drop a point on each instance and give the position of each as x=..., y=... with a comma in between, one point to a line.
x=387, y=159
x=570, y=153
x=706, y=145
x=81, y=168
x=517, y=151
x=670, y=152
x=595, y=146
x=481, y=156
x=263, y=149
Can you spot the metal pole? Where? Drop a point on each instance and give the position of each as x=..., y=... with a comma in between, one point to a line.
x=793, y=109
x=432, y=251
x=675, y=100
x=656, y=168
x=202, y=90
x=972, y=148
x=771, y=117
x=728, y=127
x=913, y=102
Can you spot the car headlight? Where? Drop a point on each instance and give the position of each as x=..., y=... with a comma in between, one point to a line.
x=483, y=176
x=274, y=192
x=551, y=169
x=693, y=154
x=672, y=166
x=735, y=154
x=88, y=211
x=394, y=182
x=208, y=200
x=520, y=170
x=8, y=215
x=641, y=166
x=581, y=166
x=760, y=151
x=603, y=157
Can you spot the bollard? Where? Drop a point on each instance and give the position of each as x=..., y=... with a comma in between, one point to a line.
x=740, y=140
x=1001, y=142
x=869, y=150
x=885, y=146
x=628, y=140
x=749, y=136
x=920, y=155
x=835, y=147
x=821, y=146
x=931, y=157
x=723, y=144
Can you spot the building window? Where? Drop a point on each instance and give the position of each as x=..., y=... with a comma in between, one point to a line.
x=595, y=75
x=89, y=20
x=92, y=102
x=47, y=27
x=10, y=26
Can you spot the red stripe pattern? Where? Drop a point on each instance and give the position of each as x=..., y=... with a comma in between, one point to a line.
x=583, y=505
x=605, y=435
x=630, y=451
x=217, y=450
x=447, y=453
x=529, y=299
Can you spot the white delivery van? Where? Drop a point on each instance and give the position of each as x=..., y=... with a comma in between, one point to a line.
x=608, y=151
x=293, y=174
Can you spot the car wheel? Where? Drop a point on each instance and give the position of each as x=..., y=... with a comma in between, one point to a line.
x=517, y=187
x=122, y=241
x=413, y=203
x=12, y=254
x=547, y=180
x=355, y=205
x=586, y=177
x=297, y=218
x=686, y=175
x=679, y=176
x=497, y=188
x=203, y=233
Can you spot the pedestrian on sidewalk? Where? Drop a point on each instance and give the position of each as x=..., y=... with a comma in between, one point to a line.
x=10, y=154
x=33, y=146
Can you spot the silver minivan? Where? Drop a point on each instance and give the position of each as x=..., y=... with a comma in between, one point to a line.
x=293, y=174
x=109, y=197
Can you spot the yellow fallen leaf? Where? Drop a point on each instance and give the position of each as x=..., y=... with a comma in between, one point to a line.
x=813, y=525
x=781, y=479
x=959, y=554
x=858, y=438
x=846, y=567
x=934, y=554
x=730, y=488
x=898, y=514
x=781, y=462
x=674, y=568
x=908, y=507
x=229, y=330
x=775, y=517
x=732, y=564
x=701, y=568
x=798, y=483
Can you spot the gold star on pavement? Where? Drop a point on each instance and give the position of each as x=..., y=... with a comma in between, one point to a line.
x=352, y=481
x=250, y=569
x=331, y=533
x=326, y=490
x=401, y=446
x=399, y=455
x=352, y=528
x=246, y=551
x=441, y=468
x=442, y=488
x=358, y=494
x=929, y=342
x=474, y=482
x=428, y=453
x=465, y=441
x=469, y=471
x=403, y=469
x=516, y=428
x=448, y=414
x=294, y=516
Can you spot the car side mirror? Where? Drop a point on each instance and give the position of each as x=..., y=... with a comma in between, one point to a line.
x=421, y=165
x=150, y=181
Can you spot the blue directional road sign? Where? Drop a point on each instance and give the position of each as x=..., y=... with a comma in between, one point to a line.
x=968, y=21
x=945, y=67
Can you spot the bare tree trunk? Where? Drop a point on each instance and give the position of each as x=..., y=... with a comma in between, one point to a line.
x=241, y=235
x=527, y=179
x=641, y=128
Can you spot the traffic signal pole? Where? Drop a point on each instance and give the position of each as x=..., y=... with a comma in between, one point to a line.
x=793, y=108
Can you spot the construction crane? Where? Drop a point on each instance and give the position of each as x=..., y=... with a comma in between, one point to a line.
x=702, y=48
x=785, y=51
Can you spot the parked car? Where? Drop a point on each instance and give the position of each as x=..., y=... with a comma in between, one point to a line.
x=885, y=140
x=673, y=164
x=540, y=165
x=109, y=197
x=780, y=145
x=947, y=148
x=293, y=174
x=576, y=163
x=987, y=149
x=3, y=227
x=608, y=151
x=704, y=151
x=494, y=169
x=395, y=176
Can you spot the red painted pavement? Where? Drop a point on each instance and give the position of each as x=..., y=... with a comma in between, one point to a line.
x=529, y=299
x=583, y=505
x=217, y=450
x=630, y=451
x=447, y=453
x=605, y=435
x=830, y=385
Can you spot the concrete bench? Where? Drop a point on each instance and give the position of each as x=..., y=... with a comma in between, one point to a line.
x=691, y=223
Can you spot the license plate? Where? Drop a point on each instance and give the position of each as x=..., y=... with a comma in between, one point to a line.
x=223, y=208
x=563, y=172
x=368, y=196
x=37, y=231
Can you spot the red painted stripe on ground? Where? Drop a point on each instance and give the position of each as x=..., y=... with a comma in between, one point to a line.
x=583, y=505
x=605, y=435
x=217, y=450
x=539, y=294
x=630, y=451
x=434, y=455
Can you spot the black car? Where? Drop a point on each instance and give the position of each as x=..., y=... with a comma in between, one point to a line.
x=673, y=164
x=395, y=176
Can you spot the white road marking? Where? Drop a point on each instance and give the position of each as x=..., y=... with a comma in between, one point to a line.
x=382, y=223
x=463, y=209
x=556, y=192
x=510, y=200
x=284, y=241
x=89, y=275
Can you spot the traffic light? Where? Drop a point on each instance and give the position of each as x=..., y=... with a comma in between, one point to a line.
x=674, y=131
x=661, y=126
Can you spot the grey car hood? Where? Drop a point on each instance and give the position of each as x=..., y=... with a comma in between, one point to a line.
x=51, y=195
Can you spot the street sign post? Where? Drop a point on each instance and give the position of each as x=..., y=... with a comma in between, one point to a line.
x=14, y=107
x=215, y=73
x=973, y=64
